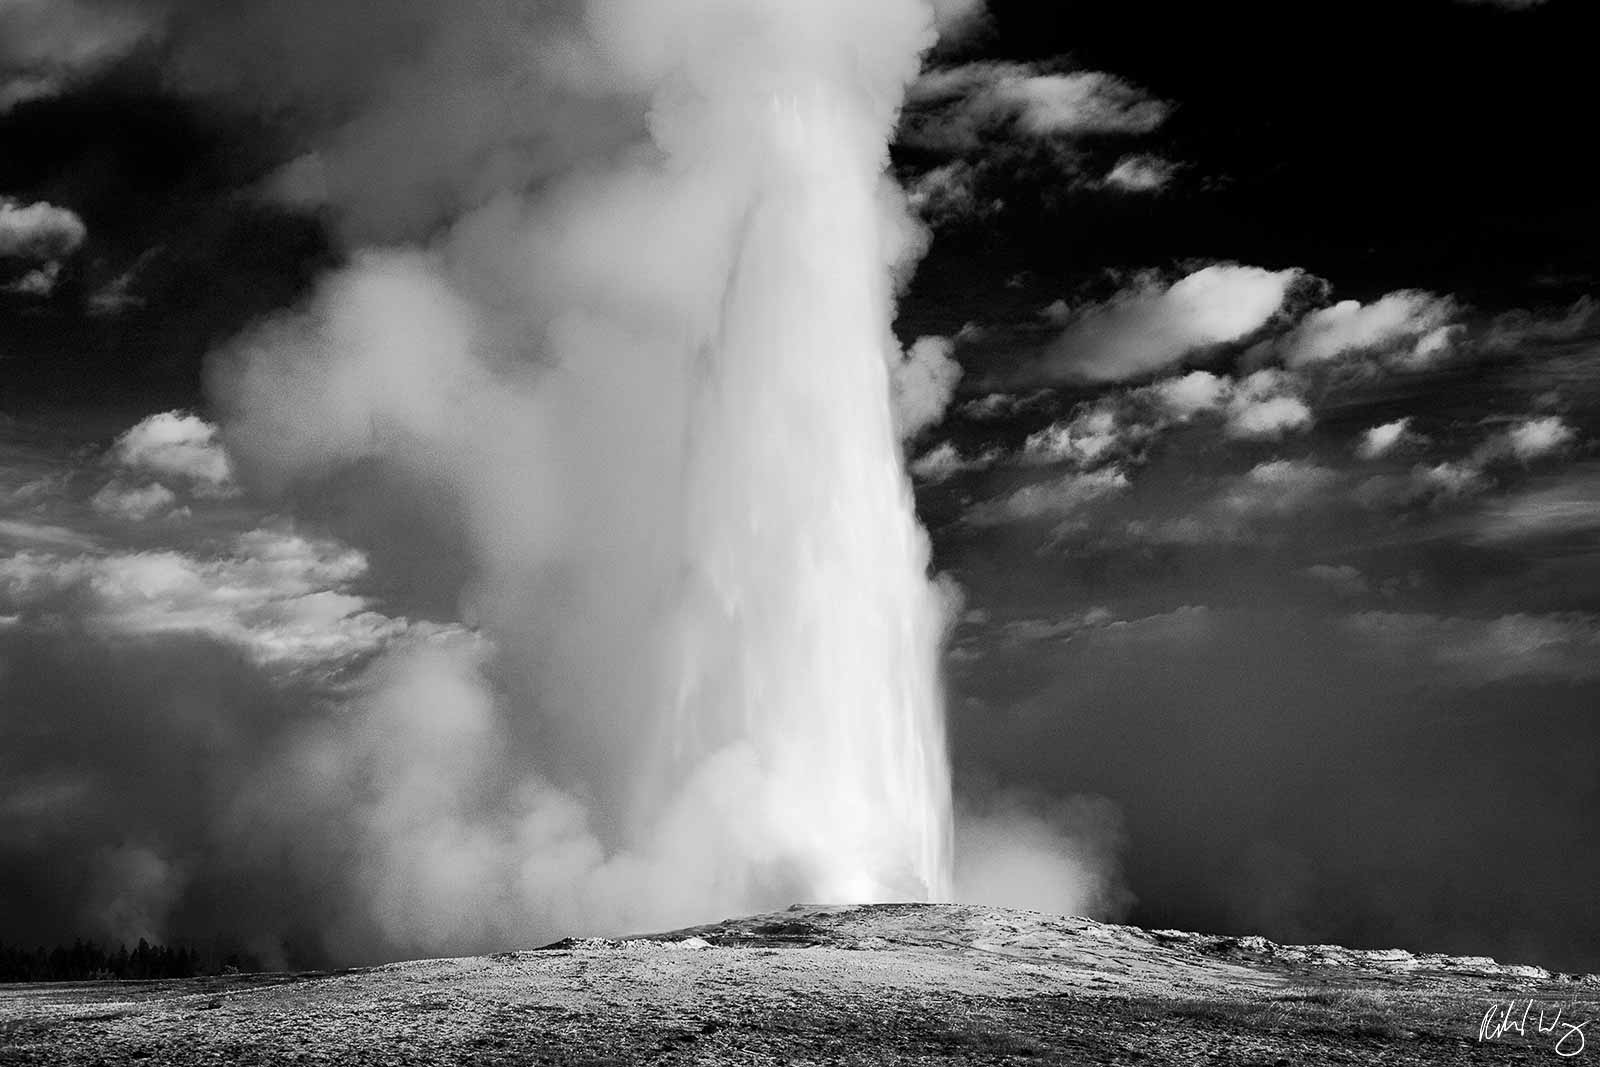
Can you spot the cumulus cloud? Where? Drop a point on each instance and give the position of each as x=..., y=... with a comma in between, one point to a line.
x=1408, y=326
x=945, y=461
x=39, y=231
x=1152, y=326
x=177, y=445
x=1002, y=405
x=134, y=503
x=39, y=282
x=1434, y=484
x=1094, y=435
x=1534, y=438
x=1188, y=395
x=1277, y=487
x=1141, y=174
x=1379, y=441
x=958, y=108
x=281, y=598
x=950, y=191
x=923, y=383
x=1264, y=407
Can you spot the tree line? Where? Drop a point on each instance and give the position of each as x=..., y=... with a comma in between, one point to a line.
x=85, y=961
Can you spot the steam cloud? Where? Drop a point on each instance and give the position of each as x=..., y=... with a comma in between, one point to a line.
x=607, y=387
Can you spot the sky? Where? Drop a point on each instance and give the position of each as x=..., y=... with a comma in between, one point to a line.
x=1248, y=393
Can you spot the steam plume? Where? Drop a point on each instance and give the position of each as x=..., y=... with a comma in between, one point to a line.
x=645, y=381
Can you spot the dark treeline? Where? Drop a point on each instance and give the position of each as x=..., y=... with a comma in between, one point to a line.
x=84, y=961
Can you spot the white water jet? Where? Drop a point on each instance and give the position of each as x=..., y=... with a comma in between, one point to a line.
x=814, y=638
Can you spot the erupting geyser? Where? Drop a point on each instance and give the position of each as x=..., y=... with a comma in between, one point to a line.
x=811, y=631
x=649, y=382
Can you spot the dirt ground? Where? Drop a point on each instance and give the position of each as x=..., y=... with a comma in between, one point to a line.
x=885, y=984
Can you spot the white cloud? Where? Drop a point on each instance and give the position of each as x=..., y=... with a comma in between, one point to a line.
x=176, y=444
x=1434, y=484
x=1002, y=405
x=37, y=533
x=282, y=598
x=923, y=383
x=1567, y=509
x=1535, y=438
x=945, y=461
x=1406, y=325
x=1141, y=174
x=955, y=108
x=1264, y=407
x=40, y=282
x=1190, y=394
x=1149, y=327
x=1091, y=437
x=1055, y=498
x=1379, y=441
x=39, y=231
x=1276, y=487
x=949, y=192
x=133, y=503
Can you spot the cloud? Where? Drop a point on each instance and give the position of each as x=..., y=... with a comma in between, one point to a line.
x=47, y=45
x=39, y=231
x=1521, y=328
x=281, y=598
x=1426, y=484
x=1379, y=441
x=1345, y=580
x=1141, y=174
x=1188, y=395
x=1053, y=499
x=1094, y=435
x=1264, y=407
x=1409, y=326
x=133, y=503
x=177, y=445
x=1150, y=326
x=1276, y=487
x=945, y=461
x=923, y=383
x=1569, y=508
x=1562, y=646
x=1002, y=405
x=958, y=108
x=949, y=192
x=1537, y=437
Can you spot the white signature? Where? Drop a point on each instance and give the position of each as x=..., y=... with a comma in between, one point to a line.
x=1502, y=1019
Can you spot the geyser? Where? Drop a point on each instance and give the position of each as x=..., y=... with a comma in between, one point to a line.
x=648, y=385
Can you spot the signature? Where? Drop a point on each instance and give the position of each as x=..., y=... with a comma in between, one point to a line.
x=1502, y=1019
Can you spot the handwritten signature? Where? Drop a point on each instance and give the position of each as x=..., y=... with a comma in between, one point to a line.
x=1502, y=1019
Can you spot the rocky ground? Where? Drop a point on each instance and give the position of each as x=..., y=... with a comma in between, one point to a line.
x=887, y=984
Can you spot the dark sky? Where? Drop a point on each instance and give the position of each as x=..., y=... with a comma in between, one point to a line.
x=1269, y=482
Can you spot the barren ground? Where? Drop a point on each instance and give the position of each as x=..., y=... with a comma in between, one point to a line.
x=887, y=984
